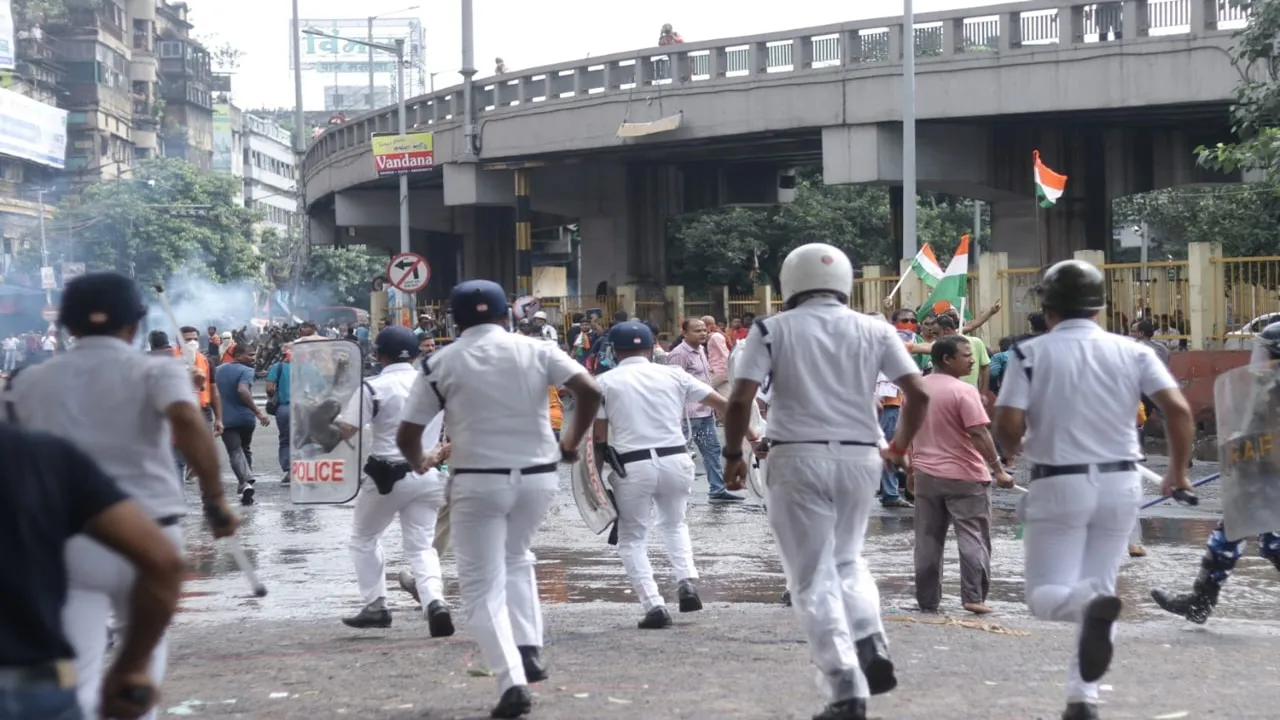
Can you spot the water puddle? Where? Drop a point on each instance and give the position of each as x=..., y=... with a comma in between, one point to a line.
x=301, y=555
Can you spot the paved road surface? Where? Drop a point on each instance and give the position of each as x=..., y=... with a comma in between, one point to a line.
x=287, y=656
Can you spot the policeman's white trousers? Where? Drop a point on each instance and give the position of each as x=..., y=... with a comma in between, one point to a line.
x=100, y=582
x=820, y=498
x=663, y=483
x=416, y=499
x=1075, y=535
x=494, y=519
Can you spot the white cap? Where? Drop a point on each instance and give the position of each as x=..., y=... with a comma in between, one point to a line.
x=816, y=267
x=539, y=315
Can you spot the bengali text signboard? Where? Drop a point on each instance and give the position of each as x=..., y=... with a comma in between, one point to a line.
x=399, y=154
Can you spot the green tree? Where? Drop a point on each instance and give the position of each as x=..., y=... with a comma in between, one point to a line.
x=320, y=276
x=167, y=218
x=1244, y=218
x=1256, y=112
x=722, y=246
x=341, y=275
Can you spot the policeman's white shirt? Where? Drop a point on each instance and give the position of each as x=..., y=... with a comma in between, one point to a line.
x=549, y=333
x=644, y=403
x=492, y=385
x=391, y=388
x=1085, y=387
x=823, y=360
x=762, y=392
x=110, y=401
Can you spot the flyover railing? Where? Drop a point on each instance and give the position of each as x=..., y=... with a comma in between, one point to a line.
x=1024, y=27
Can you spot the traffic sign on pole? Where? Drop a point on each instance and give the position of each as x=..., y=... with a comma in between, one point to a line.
x=50, y=313
x=408, y=272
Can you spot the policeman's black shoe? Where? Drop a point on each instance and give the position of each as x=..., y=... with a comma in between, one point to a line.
x=655, y=619
x=688, y=594
x=369, y=617
x=1080, y=711
x=873, y=657
x=1195, y=607
x=1096, y=647
x=285, y=480
x=439, y=622
x=409, y=585
x=853, y=709
x=786, y=598
x=246, y=495
x=534, y=670
x=516, y=702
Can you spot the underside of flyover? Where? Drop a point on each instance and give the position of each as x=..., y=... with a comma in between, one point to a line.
x=621, y=199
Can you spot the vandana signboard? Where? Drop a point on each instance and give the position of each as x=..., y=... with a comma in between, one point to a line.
x=400, y=154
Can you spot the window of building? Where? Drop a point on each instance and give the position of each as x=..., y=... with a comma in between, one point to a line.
x=171, y=49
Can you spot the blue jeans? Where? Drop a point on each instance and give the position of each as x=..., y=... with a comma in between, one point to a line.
x=888, y=479
x=282, y=424
x=704, y=436
x=41, y=704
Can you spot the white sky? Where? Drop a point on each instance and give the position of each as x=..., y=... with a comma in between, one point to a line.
x=524, y=33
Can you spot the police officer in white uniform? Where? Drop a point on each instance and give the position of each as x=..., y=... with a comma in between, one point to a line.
x=394, y=489
x=492, y=387
x=644, y=406
x=1067, y=403
x=118, y=405
x=825, y=462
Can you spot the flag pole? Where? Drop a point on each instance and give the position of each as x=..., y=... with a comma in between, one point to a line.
x=894, y=291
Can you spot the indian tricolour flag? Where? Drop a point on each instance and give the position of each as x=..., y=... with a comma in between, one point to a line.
x=953, y=286
x=926, y=267
x=1049, y=184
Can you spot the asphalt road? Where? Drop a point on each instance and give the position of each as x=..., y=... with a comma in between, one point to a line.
x=744, y=656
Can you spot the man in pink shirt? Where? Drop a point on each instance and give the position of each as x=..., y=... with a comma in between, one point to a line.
x=954, y=460
x=717, y=356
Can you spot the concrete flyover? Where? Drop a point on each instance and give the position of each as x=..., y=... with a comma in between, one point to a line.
x=1114, y=94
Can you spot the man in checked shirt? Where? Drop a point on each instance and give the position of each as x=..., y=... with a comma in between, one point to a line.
x=691, y=356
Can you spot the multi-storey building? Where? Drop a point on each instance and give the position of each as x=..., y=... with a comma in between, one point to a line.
x=270, y=172
x=92, y=44
x=186, y=76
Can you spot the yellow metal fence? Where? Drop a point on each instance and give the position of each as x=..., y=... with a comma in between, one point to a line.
x=1246, y=297
x=1242, y=297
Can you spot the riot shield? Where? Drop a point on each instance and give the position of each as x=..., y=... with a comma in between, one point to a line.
x=326, y=388
x=1247, y=406
x=589, y=491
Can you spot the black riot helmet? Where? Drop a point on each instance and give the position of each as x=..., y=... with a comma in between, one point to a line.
x=1073, y=287
x=1269, y=338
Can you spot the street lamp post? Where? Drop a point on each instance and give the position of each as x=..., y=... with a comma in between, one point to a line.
x=371, y=46
x=908, y=131
x=406, y=299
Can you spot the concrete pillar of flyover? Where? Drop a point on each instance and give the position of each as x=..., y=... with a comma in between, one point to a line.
x=489, y=244
x=626, y=242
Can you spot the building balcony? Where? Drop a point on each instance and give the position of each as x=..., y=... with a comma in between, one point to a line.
x=144, y=114
x=43, y=51
x=143, y=43
x=39, y=74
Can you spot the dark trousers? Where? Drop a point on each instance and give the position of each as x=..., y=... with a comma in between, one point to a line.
x=282, y=425
x=239, y=444
x=966, y=506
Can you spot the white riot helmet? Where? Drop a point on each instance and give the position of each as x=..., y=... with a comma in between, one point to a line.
x=816, y=267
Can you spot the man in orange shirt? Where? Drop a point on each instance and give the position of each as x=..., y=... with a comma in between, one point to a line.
x=557, y=410
x=210, y=401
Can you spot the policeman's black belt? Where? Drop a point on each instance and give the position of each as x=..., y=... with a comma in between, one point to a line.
x=168, y=520
x=859, y=443
x=532, y=470
x=385, y=474
x=1039, y=472
x=635, y=455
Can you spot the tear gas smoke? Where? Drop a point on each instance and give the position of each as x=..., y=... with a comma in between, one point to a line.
x=200, y=302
